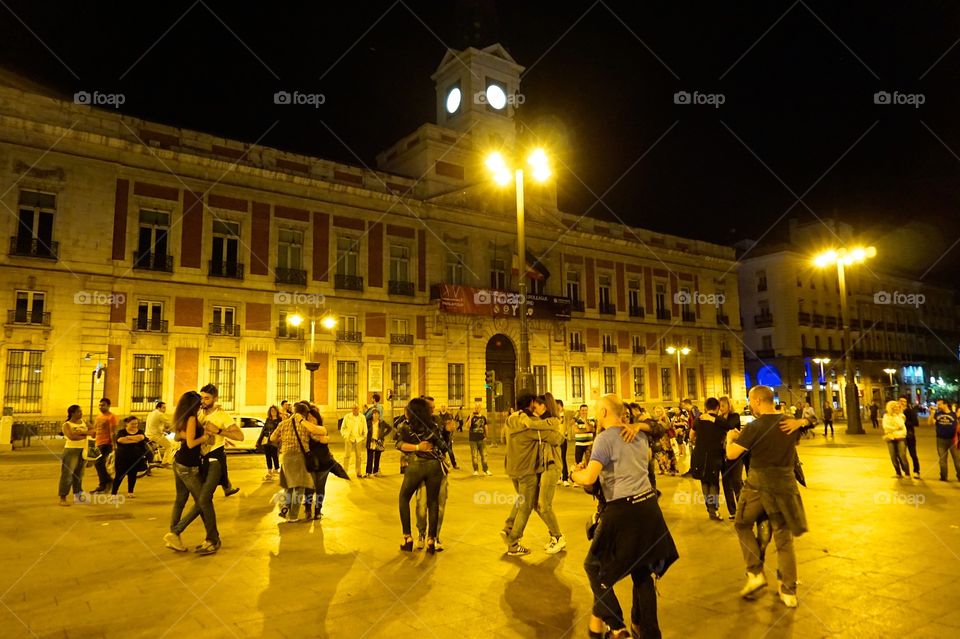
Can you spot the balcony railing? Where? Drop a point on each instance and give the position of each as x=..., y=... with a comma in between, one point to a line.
x=766, y=353
x=294, y=276
x=216, y=328
x=725, y=352
x=609, y=348
x=25, y=317
x=232, y=270
x=608, y=308
x=723, y=320
x=395, y=338
x=817, y=320
x=663, y=314
x=831, y=321
x=29, y=246
x=637, y=311
x=350, y=336
x=153, y=262
x=285, y=331
x=578, y=347
x=688, y=316
x=803, y=318
x=639, y=350
x=147, y=325
x=761, y=285
x=348, y=282
x=763, y=320
x=395, y=287
x=576, y=305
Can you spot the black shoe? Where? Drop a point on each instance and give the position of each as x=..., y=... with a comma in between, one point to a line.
x=407, y=546
x=732, y=517
x=308, y=510
x=716, y=517
x=232, y=491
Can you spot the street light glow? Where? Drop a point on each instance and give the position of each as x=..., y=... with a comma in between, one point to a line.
x=498, y=168
x=671, y=350
x=855, y=255
x=821, y=360
x=329, y=322
x=889, y=371
x=683, y=351
x=295, y=320
x=540, y=165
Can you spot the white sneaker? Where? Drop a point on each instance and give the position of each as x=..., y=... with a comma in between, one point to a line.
x=556, y=545
x=476, y=474
x=754, y=583
x=790, y=601
x=172, y=541
x=566, y=483
x=559, y=482
x=487, y=473
x=421, y=542
x=268, y=476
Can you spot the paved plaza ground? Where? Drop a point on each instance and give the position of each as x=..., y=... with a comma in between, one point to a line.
x=881, y=559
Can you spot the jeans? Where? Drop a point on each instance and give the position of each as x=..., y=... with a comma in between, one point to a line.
x=544, y=505
x=422, y=471
x=190, y=484
x=220, y=454
x=827, y=423
x=373, y=460
x=101, y=466
x=293, y=499
x=526, y=489
x=422, y=508
x=945, y=447
x=564, y=471
x=732, y=480
x=579, y=452
x=711, y=495
x=314, y=496
x=912, y=449
x=749, y=511
x=643, y=614
x=272, y=455
x=478, y=450
x=357, y=449
x=898, y=455
x=71, y=471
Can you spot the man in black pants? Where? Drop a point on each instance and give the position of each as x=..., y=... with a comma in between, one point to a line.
x=827, y=419
x=874, y=414
x=911, y=421
x=218, y=423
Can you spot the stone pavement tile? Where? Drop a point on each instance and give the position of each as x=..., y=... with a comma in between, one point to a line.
x=931, y=631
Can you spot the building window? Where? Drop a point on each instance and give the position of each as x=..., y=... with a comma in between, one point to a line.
x=224, y=320
x=540, y=379
x=766, y=342
x=604, y=292
x=609, y=379
x=225, y=255
x=455, y=384
x=576, y=383
x=153, y=240
x=150, y=316
x=22, y=387
x=692, y=382
x=725, y=381
x=29, y=308
x=608, y=345
x=147, y=382
x=223, y=375
x=399, y=326
x=633, y=293
x=288, y=380
x=665, y=385
x=803, y=341
x=829, y=343
x=454, y=268
x=348, y=323
x=537, y=287
x=638, y=347
x=347, y=384
x=573, y=285
x=639, y=390
x=660, y=297
x=400, y=374
x=576, y=341
x=348, y=255
x=35, y=224
x=498, y=274
x=290, y=250
x=399, y=263
x=761, y=281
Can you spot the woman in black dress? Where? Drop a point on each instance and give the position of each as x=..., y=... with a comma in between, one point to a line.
x=131, y=455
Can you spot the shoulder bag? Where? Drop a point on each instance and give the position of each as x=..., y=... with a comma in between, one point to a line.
x=309, y=457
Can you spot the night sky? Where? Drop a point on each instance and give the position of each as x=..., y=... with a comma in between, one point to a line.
x=798, y=81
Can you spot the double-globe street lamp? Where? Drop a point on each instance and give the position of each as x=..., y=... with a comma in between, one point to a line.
x=843, y=257
x=328, y=322
x=890, y=372
x=503, y=171
x=678, y=350
x=821, y=380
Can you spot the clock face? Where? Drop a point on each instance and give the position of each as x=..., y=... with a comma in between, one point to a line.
x=453, y=100
x=496, y=97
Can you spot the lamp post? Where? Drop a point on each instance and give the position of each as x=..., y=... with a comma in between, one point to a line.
x=890, y=372
x=95, y=374
x=842, y=258
x=328, y=322
x=679, y=350
x=502, y=174
x=820, y=380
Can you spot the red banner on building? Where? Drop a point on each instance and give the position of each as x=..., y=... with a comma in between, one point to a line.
x=466, y=300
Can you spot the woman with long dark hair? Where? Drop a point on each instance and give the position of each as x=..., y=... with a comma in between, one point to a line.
x=75, y=432
x=188, y=478
x=326, y=465
x=293, y=435
x=421, y=437
x=270, y=452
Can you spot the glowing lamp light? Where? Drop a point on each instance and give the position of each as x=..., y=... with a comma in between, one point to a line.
x=498, y=168
x=496, y=97
x=540, y=165
x=329, y=322
x=855, y=255
x=295, y=320
x=453, y=100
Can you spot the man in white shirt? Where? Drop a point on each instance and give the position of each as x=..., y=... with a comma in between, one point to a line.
x=218, y=423
x=353, y=428
x=157, y=426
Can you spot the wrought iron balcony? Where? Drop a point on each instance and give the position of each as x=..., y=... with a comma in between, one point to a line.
x=406, y=340
x=608, y=308
x=153, y=262
x=637, y=311
x=609, y=348
x=576, y=305
x=688, y=316
x=663, y=314
x=578, y=347
x=639, y=350
x=831, y=321
x=766, y=353
x=725, y=352
x=24, y=317
x=803, y=318
x=348, y=282
x=286, y=331
x=294, y=276
x=148, y=325
x=29, y=246
x=723, y=320
x=230, y=330
x=763, y=320
x=350, y=336
x=232, y=270
x=397, y=287
x=817, y=320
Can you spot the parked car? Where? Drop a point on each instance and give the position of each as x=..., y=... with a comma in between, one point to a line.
x=251, y=427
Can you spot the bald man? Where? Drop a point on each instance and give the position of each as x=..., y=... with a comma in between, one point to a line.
x=770, y=490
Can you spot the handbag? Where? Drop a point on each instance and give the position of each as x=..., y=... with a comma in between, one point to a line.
x=91, y=452
x=309, y=457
